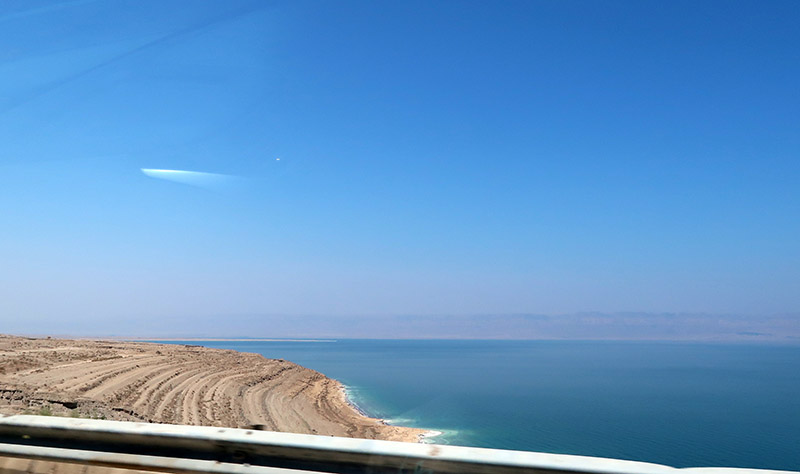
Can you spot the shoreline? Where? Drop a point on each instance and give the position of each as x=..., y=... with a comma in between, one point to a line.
x=421, y=437
x=179, y=384
x=218, y=339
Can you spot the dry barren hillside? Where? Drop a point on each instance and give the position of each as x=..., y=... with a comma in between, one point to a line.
x=163, y=383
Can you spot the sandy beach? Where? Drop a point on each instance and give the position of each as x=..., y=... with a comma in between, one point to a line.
x=181, y=384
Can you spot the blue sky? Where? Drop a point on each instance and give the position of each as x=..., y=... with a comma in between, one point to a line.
x=436, y=158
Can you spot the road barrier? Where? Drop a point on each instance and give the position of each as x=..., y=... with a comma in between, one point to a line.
x=196, y=449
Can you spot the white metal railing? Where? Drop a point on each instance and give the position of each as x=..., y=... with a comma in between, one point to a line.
x=177, y=448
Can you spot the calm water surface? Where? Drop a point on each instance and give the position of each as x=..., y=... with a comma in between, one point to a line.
x=671, y=403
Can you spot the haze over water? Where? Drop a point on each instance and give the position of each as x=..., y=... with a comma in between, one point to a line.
x=520, y=169
x=681, y=404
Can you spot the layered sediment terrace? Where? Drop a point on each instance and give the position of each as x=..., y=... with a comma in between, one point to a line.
x=180, y=384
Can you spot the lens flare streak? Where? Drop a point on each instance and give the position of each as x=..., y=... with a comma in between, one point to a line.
x=192, y=178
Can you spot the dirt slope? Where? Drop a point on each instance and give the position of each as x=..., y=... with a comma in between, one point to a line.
x=163, y=383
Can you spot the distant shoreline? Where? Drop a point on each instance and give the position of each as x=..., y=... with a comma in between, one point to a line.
x=218, y=339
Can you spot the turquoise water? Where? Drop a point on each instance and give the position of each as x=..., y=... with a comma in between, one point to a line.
x=671, y=403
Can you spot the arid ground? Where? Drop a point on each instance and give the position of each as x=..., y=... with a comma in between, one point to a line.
x=164, y=383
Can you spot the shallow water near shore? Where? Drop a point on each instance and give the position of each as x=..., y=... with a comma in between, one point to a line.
x=681, y=404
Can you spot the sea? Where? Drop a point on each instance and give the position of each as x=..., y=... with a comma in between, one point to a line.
x=680, y=404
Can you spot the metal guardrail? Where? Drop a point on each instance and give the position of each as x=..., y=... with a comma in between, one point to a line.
x=177, y=448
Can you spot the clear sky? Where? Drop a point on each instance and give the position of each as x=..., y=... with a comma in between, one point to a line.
x=397, y=158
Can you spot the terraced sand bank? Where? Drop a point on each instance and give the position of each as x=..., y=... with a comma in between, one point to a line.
x=164, y=383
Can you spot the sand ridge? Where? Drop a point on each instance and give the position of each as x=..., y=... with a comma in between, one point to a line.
x=181, y=384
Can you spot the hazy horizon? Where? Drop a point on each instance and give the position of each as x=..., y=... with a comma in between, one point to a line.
x=584, y=326
x=180, y=167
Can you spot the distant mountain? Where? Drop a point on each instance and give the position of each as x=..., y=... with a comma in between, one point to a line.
x=590, y=325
